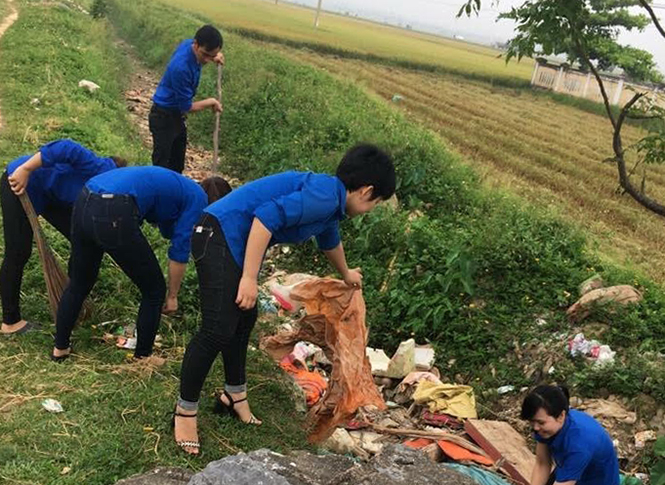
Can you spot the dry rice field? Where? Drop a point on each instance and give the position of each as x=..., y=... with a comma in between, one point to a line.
x=546, y=152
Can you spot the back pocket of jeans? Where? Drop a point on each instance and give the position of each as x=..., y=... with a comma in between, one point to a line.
x=107, y=231
x=200, y=240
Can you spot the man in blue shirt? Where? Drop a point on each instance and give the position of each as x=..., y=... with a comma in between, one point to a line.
x=578, y=446
x=174, y=97
x=52, y=178
x=106, y=219
x=228, y=246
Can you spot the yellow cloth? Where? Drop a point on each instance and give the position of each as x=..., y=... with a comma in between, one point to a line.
x=453, y=399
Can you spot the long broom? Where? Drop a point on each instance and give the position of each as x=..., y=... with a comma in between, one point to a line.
x=215, y=136
x=55, y=277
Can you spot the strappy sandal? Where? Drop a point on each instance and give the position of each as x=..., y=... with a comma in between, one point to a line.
x=60, y=358
x=222, y=408
x=185, y=444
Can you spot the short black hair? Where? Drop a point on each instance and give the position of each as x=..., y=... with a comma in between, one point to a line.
x=365, y=165
x=215, y=188
x=553, y=399
x=209, y=38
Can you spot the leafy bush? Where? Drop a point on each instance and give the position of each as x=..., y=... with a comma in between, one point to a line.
x=99, y=9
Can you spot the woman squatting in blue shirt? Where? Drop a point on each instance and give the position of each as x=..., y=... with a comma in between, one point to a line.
x=577, y=445
x=52, y=178
x=228, y=246
x=107, y=218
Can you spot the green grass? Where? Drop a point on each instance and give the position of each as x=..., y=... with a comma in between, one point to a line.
x=522, y=261
x=353, y=37
x=471, y=274
x=116, y=418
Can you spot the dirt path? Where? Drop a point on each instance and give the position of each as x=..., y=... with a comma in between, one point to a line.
x=6, y=23
x=143, y=82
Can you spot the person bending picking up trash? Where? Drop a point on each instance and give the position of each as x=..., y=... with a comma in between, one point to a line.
x=107, y=218
x=174, y=97
x=53, y=178
x=228, y=246
x=578, y=446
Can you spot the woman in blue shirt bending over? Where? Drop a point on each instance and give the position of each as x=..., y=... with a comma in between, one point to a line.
x=107, y=218
x=577, y=445
x=228, y=246
x=52, y=178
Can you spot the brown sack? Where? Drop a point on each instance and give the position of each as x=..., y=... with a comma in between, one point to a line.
x=335, y=322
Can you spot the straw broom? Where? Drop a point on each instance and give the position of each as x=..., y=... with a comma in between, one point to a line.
x=215, y=136
x=55, y=277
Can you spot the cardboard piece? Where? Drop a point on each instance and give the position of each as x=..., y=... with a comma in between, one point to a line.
x=505, y=446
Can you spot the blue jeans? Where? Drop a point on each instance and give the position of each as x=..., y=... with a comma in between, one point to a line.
x=110, y=223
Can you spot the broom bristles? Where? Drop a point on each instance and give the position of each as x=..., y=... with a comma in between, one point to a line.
x=55, y=277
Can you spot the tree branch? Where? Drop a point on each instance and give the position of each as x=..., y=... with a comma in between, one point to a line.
x=652, y=14
x=599, y=80
x=624, y=177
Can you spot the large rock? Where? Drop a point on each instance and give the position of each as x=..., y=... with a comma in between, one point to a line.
x=395, y=465
x=620, y=295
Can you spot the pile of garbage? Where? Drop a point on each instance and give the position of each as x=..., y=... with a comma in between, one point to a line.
x=360, y=400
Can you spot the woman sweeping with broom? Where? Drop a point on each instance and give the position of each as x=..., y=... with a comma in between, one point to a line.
x=52, y=178
x=107, y=218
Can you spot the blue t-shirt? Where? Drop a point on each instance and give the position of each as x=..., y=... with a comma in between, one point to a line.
x=66, y=167
x=162, y=196
x=178, y=86
x=293, y=206
x=583, y=451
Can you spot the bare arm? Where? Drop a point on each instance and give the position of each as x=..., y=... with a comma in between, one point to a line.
x=257, y=242
x=205, y=103
x=543, y=468
x=337, y=258
x=18, y=181
x=176, y=275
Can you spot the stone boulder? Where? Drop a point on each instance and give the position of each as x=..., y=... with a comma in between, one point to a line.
x=619, y=295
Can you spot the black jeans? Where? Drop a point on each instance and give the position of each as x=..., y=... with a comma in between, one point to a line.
x=111, y=223
x=18, y=245
x=169, y=138
x=225, y=327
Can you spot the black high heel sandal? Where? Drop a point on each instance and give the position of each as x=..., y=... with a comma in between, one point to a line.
x=184, y=444
x=222, y=408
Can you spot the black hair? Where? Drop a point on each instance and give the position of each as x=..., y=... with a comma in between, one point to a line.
x=119, y=161
x=553, y=399
x=209, y=38
x=365, y=165
x=215, y=188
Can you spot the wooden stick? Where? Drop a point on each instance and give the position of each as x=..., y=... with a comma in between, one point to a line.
x=215, y=137
x=433, y=435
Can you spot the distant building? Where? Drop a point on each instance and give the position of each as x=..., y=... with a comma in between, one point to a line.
x=561, y=77
x=458, y=37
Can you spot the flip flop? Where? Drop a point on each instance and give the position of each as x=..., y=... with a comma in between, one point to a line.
x=29, y=327
x=60, y=358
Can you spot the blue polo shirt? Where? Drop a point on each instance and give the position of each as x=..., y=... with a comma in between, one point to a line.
x=583, y=451
x=66, y=167
x=293, y=206
x=162, y=196
x=178, y=86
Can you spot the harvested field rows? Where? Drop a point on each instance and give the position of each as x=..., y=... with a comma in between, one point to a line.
x=547, y=152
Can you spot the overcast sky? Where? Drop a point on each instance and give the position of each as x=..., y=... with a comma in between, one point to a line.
x=439, y=16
